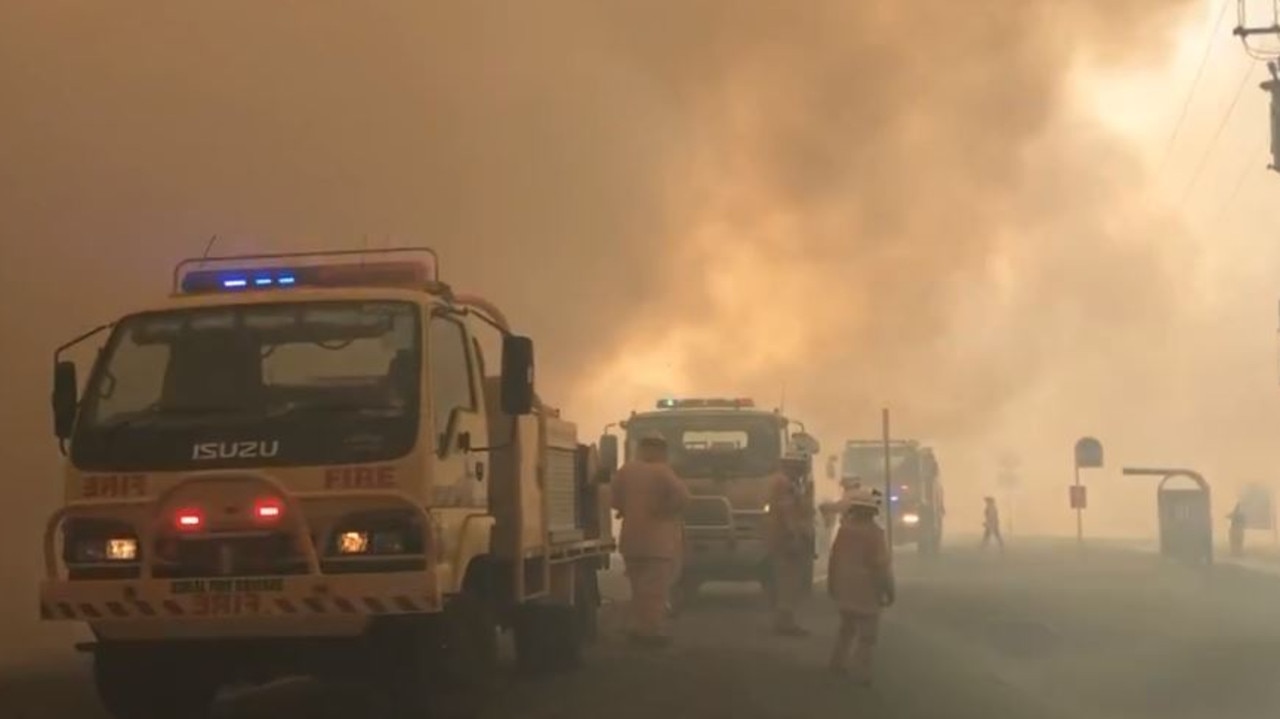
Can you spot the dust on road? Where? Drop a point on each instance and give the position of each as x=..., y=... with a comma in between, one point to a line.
x=1041, y=632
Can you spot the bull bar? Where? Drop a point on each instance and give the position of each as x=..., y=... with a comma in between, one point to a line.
x=235, y=597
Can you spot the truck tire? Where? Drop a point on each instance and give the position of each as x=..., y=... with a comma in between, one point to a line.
x=440, y=666
x=548, y=638
x=152, y=683
x=587, y=606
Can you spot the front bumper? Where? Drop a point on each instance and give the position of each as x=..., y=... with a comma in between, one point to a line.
x=309, y=602
x=239, y=597
x=723, y=544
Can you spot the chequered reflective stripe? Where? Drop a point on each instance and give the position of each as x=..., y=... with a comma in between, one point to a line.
x=133, y=609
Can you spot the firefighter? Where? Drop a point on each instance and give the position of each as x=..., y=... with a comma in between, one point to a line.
x=991, y=524
x=790, y=538
x=1235, y=533
x=833, y=510
x=650, y=500
x=860, y=581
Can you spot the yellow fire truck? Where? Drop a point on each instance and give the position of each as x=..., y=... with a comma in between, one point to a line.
x=725, y=450
x=301, y=464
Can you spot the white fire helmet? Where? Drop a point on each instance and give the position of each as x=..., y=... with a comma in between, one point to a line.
x=851, y=482
x=861, y=497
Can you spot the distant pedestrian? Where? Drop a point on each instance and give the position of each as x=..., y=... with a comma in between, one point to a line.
x=991, y=524
x=1235, y=532
x=860, y=580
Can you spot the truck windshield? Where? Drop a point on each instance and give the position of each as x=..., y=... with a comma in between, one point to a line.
x=722, y=446
x=315, y=382
x=867, y=461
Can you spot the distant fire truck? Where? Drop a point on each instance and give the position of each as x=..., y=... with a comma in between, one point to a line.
x=302, y=464
x=916, y=507
x=725, y=450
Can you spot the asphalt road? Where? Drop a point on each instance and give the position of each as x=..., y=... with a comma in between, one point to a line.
x=1043, y=631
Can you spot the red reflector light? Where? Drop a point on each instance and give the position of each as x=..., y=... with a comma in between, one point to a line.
x=268, y=509
x=189, y=519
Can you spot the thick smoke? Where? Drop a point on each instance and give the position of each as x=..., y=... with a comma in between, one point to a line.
x=862, y=202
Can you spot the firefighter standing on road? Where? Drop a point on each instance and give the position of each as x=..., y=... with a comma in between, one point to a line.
x=790, y=537
x=650, y=499
x=832, y=510
x=991, y=524
x=860, y=580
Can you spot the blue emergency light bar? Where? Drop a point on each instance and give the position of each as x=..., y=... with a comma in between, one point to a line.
x=306, y=269
x=705, y=403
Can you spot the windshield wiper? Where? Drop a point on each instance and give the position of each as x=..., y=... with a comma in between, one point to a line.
x=155, y=413
x=335, y=408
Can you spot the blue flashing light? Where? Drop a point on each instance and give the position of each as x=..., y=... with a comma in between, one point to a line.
x=387, y=274
x=240, y=283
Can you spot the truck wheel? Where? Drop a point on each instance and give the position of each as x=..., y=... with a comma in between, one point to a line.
x=548, y=638
x=587, y=606
x=148, y=683
x=439, y=667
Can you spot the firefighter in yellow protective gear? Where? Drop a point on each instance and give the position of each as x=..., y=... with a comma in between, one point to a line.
x=789, y=533
x=650, y=499
x=860, y=581
x=832, y=510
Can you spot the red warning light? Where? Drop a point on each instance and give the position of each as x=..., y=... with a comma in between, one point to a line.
x=189, y=520
x=268, y=510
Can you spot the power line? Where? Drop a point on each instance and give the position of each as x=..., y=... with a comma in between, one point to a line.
x=1195, y=84
x=1204, y=159
x=1244, y=175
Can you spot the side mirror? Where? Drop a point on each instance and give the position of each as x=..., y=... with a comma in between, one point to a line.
x=517, y=375
x=831, y=467
x=66, y=398
x=609, y=452
x=806, y=443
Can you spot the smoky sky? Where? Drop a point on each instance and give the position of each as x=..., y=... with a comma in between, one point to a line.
x=862, y=201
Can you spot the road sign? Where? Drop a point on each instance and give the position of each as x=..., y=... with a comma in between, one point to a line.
x=1088, y=453
x=1079, y=498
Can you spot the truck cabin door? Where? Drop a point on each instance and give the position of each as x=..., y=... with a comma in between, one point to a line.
x=455, y=392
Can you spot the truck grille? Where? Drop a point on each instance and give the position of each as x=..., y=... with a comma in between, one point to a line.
x=748, y=525
x=707, y=512
x=238, y=555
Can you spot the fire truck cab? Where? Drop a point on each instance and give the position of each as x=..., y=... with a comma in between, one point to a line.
x=305, y=464
x=725, y=450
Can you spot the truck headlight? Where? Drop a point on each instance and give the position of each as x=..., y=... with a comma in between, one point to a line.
x=379, y=541
x=909, y=518
x=378, y=533
x=353, y=543
x=90, y=551
x=92, y=541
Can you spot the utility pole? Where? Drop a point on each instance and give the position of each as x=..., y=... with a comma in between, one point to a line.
x=1244, y=31
x=888, y=479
